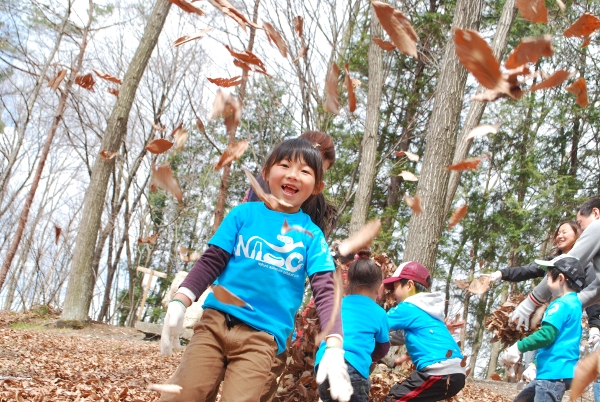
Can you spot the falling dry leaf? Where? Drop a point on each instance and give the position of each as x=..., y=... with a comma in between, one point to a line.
x=86, y=81
x=480, y=285
x=584, y=26
x=107, y=77
x=467, y=164
x=181, y=137
x=248, y=58
x=269, y=199
x=413, y=203
x=274, y=36
x=350, y=89
x=230, y=108
x=408, y=176
x=384, y=44
x=301, y=54
x=586, y=372
x=360, y=239
x=496, y=377
x=579, y=89
x=166, y=388
x=463, y=285
x=482, y=130
x=533, y=10
x=226, y=82
x=488, y=96
x=530, y=50
x=235, y=14
x=107, y=155
x=587, y=40
x=233, y=152
x=200, y=126
x=179, y=127
x=54, y=83
x=409, y=155
x=57, y=232
x=148, y=240
x=162, y=177
x=332, y=102
x=554, y=80
x=159, y=146
x=113, y=91
x=398, y=28
x=338, y=293
x=458, y=214
x=185, y=256
x=286, y=228
x=159, y=128
x=454, y=325
x=298, y=25
x=448, y=353
x=226, y=297
x=188, y=38
x=476, y=55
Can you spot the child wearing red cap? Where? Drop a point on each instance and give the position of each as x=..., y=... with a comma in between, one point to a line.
x=436, y=355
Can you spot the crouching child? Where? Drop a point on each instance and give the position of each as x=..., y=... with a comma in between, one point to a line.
x=436, y=355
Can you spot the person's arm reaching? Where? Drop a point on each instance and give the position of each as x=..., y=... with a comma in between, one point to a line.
x=522, y=273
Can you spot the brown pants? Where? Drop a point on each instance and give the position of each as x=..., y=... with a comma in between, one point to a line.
x=241, y=355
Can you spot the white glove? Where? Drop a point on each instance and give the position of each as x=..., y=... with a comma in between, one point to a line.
x=530, y=373
x=511, y=355
x=172, y=328
x=496, y=276
x=594, y=338
x=334, y=368
x=523, y=312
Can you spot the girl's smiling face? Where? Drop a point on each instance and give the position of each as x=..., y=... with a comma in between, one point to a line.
x=565, y=238
x=292, y=181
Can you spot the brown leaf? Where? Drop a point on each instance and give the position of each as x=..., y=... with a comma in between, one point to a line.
x=200, y=126
x=332, y=101
x=462, y=285
x=449, y=353
x=408, y=176
x=107, y=77
x=338, y=293
x=467, y=164
x=475, y=54
x=530, y=50
x=57, y=232
x=188, y=38
x=398, y=28
x=458, y=214
x=463, y=363
x=482, y=130
x=413, y=203
x=409, y=155
x=496, y=377
x=230, y=108
x=54, y=83
x=226, y=82
x=233, y=152
x=86, y=81
x=166, y=388
x=181, y=137
x=488, y=96
x=113, y=91
x=107, y=155
x=586, y=41
x=159, y=128
x=301, y=54
x=480, y=285
x=554, y=80
x=360, y=239
x=162, y=177
x=223, y=295
x=248, y=58
x=584, y=26
x=350, y=89
x=159, y=146
x=298, y=25
x=179, y=127
x=274, y=36
x=586, y=372
x=148, y=240
x=533, y=10
x=269, y=199
x=235, y=14
x=185, y=256
x=579, y=89
x=384, y=44
x=286, y=228
x=454, y=325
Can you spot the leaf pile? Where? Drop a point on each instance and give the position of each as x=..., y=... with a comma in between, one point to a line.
x=498, y=323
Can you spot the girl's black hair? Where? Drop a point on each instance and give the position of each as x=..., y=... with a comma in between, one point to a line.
x=553, y=272
x=364, y=274
x=573, y=226
x=420, y=288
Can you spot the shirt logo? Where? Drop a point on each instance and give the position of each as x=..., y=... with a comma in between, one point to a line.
x=283, y=256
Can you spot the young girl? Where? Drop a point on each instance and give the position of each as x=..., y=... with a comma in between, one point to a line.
x=253, y=260
x=365, y=324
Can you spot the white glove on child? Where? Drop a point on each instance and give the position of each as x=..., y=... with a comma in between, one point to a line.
x=172, y=328
x=511, y=355
x=530, y=373
x=523, y=312
x=334, y=368
x=594, y=338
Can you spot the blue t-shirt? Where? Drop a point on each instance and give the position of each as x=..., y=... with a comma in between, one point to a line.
x=364, y=322
x=557, y=361
x=427, y=338
x=267, y=269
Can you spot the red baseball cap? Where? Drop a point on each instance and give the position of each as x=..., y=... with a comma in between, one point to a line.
x=410, y=270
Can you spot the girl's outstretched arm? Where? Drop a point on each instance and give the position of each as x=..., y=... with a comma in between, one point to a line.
x=322, y=287
x=205, y=271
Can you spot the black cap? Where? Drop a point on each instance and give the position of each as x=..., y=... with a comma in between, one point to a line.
x=569, y=266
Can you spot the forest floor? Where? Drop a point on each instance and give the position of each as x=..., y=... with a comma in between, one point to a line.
x=39, y=362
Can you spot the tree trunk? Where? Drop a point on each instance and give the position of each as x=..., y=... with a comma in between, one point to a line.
x=496, y=346
x=426, y=228
x=362, y=199
x=80, y=286
x=476, y=109
x=12, y=250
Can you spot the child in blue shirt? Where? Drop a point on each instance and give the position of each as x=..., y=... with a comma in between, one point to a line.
x=436, y=355
x=365, y=326
x=558, y=340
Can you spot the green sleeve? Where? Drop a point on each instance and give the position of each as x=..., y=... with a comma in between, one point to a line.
x=541, y=338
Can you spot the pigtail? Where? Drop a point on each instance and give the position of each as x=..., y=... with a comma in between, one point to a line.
x=364, y=273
